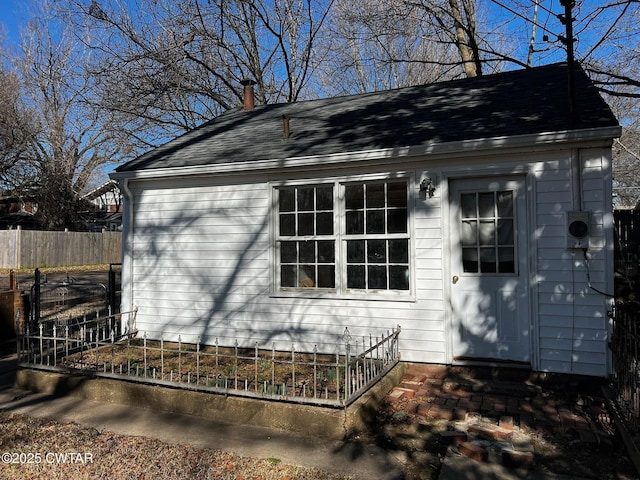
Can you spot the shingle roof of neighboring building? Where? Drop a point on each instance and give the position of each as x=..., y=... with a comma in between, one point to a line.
x=521, y=102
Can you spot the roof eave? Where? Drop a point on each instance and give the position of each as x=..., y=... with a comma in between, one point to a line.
x=476, y=147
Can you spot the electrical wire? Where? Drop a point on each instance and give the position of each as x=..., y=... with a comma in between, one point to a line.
x=542, y=27
x=586, y=264
x=545, y=8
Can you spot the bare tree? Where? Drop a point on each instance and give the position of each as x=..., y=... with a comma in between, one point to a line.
x=166, y=67
x=378, y=45
x=72, y=140
x=17, y=128
x=384, y=44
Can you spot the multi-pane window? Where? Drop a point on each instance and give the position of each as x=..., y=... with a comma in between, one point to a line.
x=376, y=236
x=372, y=232
x=487, y=232
x=306, y=234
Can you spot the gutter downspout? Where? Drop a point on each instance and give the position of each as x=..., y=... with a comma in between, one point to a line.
x=576, y=174
x=129, y=242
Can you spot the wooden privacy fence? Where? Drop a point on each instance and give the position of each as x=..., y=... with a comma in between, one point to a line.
x=34, y=249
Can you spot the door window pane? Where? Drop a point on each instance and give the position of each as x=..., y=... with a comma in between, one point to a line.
x=505, y=204
x=468, y=205
x=487, y=232
x=469, y=232
x=488, y=260
x=506, y=262
x=470, y=260
x=487, y=236
x=505, y=232
x=486, y=205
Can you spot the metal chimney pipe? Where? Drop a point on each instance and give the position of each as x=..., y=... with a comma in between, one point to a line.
x=249, y=97
x=285, y=126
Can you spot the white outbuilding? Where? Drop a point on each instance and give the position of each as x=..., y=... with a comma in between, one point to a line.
x=474, y=213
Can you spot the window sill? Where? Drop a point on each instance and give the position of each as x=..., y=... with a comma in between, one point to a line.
x=332, y=295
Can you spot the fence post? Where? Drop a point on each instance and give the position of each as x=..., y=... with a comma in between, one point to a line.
x=256, y=366
x=198, y=361
x=18, y=261
x=315, y=371
x=179, y=358
x=36, y=298
x=19, y=339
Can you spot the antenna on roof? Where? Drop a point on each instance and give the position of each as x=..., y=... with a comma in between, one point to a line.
x=567, y=19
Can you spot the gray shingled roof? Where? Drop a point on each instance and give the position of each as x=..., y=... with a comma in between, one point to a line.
x=512, y=103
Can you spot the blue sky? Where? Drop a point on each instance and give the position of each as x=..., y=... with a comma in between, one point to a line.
x=12, y=14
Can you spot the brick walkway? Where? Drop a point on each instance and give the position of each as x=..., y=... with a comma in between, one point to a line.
x=494, y=413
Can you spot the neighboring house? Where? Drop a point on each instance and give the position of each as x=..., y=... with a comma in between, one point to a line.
x=107, y=203
x=16, y=212
x=475, y=213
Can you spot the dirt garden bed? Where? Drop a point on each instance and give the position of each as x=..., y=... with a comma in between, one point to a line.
x=263, y=371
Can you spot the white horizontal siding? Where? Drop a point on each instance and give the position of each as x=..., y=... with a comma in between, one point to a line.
x=572, y=324
x=203, y=268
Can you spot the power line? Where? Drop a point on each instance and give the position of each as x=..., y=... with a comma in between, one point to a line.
x=500, y=4
x=545, y=8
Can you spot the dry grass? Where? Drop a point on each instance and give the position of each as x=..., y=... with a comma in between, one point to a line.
x=106, y=455
x=64, y=269
x=211, y=366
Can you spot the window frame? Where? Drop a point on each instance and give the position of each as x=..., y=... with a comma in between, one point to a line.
x=514, y=246
x=384, y=236
x=315, y=237
x=340, y=240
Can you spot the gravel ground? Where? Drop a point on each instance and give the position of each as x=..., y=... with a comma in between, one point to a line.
x=66, y=451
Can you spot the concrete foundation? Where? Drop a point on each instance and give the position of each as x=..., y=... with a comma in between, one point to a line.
x=334, y=423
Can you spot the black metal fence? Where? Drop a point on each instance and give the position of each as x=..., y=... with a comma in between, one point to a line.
x=625, y=347
x=627, y=253
x=104, y=347
x=68, y=301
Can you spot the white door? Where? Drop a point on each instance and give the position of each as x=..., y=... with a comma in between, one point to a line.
x=489, y=284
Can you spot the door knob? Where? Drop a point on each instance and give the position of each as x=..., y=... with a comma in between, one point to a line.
x=455, y=279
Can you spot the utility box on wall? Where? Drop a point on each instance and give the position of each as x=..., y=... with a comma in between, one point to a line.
x=578, y=229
